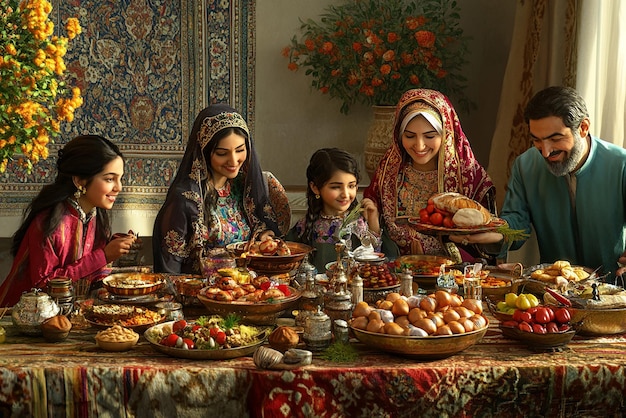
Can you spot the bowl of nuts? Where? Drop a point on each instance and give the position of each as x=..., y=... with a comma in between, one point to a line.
x=116, y=338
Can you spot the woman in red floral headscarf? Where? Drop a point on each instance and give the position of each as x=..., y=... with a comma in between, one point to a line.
x=429, y=154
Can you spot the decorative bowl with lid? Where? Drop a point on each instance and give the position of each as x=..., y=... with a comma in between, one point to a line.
x=32, y=310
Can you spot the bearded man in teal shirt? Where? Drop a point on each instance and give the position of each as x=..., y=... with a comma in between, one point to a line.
x=570, y=186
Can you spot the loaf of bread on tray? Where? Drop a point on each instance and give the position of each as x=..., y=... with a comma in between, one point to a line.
x=466, y=212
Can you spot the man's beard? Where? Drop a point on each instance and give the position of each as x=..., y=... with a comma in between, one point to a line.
x=568, y=165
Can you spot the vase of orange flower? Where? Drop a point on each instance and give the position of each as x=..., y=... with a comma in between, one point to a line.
x=372, y=51
x=35, y=97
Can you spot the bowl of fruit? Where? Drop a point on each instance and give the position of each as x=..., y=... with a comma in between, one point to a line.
x=540, y=327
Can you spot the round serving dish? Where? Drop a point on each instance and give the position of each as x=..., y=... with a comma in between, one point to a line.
x=490, y=284
x=373, y=294
x=500, y=316
x=425, y=268
x=597, y=322
x=262, y=313
x=133, y=283
x=217, y=354
x=117, y=346
x=534, y=341
x=424, y=348
x=273, y=264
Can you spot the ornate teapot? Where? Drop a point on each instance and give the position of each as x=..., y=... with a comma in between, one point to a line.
x=32, y=310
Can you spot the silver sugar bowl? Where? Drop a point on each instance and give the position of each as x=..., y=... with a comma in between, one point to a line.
x=32, y=310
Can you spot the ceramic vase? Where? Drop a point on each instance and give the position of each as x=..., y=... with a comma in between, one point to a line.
x=379, y=136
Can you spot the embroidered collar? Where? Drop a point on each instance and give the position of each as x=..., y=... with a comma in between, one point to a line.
x=224, y=191
x=84, y=217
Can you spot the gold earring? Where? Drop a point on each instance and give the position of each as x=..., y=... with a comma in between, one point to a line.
x=317, y=196
x=80, y=190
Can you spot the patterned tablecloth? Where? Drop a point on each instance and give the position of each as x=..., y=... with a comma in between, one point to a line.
x=495, y=378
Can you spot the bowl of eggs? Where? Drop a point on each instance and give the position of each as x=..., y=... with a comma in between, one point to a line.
x=424, y=327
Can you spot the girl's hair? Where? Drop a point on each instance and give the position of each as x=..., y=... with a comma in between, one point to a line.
x=324, y=164
x=210, y=200
x=83, y=157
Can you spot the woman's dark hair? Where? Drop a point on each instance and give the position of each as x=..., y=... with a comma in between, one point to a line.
x=210, y=200
x=562, y=102
x=83, y=157
x=323, y=165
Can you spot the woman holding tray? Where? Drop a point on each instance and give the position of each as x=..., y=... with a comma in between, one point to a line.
x=429, y=154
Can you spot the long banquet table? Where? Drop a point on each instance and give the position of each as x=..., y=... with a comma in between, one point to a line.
x=495, y=378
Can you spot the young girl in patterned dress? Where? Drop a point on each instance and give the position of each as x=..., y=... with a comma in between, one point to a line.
x=333, y=179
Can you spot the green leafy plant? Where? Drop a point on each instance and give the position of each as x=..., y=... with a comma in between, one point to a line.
x=372, y=51
x=34, y=95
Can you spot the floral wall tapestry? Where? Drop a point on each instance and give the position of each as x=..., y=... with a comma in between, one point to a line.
x=146, y=68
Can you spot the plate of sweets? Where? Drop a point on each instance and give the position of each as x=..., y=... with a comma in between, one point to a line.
x=128, y=316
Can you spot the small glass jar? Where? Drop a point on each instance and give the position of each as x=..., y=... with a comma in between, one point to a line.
x=356, y=288
x=317, y=331
x=406, y=283
x=173, y=311
x=310, y=299
x=340, y=331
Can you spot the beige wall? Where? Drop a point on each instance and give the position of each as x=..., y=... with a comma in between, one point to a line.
x=292, y=121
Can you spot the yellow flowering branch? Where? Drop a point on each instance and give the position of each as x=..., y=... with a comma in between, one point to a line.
x=34, y=96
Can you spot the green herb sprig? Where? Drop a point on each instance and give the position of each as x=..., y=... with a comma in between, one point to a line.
x=511, y=235
x=339, y=352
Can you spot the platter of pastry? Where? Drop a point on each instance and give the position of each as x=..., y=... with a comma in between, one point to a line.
x=426, y=228
x=104, y=316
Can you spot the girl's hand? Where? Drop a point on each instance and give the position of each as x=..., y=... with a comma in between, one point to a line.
x=370, y=213
x=118, y=246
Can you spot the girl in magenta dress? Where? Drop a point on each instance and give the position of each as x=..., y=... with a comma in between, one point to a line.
x=66, y=231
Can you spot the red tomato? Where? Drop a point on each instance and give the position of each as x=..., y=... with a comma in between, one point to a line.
x=171, y=340
x=424, y=216
x=542, y=316
x=430, y=208
x=431, y=201
x=552, y=327
x=213, y=331
x=562, y=316
x=436, y=218
x=525, y=326
x=220, y=338
x=195, y=328
x=188, y=344
x=532, y=310
x=539, y=329
x=564, y=327
x=512, y=324
x=447, y=222
x=178, y=325
x=285, y=289
x=525, y=317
